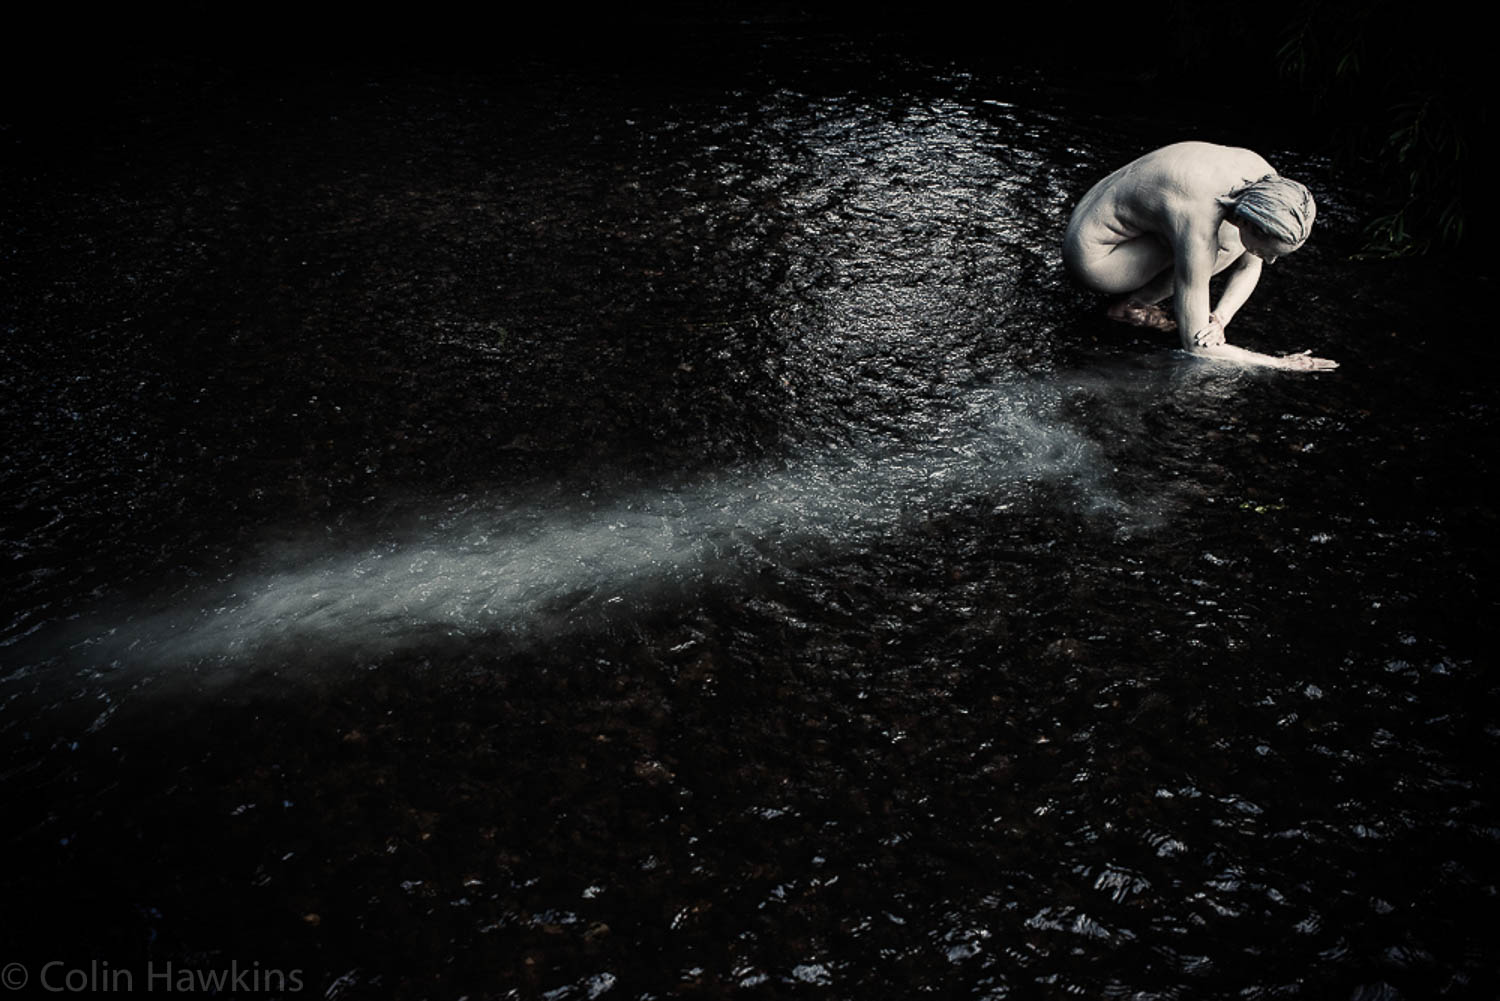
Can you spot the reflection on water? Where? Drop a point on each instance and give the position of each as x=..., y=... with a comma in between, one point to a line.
x=565, y=536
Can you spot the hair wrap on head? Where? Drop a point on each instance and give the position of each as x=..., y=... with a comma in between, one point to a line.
x=1280, y=207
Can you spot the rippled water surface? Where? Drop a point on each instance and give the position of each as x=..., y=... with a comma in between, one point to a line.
x=567, y=531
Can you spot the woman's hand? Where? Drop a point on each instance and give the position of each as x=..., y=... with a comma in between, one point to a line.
x=1303, y=361
x=1210, y=336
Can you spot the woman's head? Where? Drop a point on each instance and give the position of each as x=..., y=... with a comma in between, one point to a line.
x=1277, y=208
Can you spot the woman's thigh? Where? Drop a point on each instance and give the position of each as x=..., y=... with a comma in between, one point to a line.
x=1117, y=268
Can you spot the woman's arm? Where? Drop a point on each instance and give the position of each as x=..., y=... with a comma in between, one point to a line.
x=1244, y=274
x=1202, y=332
x=1193, y=253
x=1303, y=361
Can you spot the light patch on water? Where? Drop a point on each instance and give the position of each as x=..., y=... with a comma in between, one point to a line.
x=540, y=568
x=919, y=223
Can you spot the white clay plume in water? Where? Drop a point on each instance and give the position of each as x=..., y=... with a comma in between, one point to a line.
x=537, y=569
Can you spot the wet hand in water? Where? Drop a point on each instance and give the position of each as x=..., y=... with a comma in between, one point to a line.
x=1304, y=361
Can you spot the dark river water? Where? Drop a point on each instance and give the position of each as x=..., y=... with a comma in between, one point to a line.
x=568, y=530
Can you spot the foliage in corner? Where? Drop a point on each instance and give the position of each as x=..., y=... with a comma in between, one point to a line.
x=1394, y=90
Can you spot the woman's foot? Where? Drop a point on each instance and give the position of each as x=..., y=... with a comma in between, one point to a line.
x=1140, y=314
